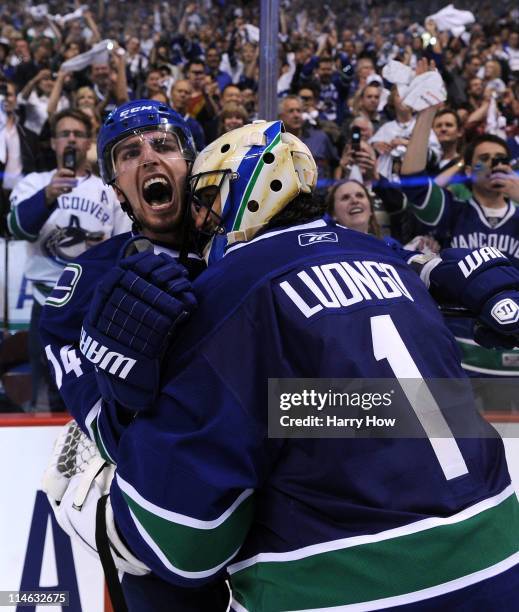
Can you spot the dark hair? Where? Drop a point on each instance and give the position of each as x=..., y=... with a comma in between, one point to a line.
x=313, y=85
x=449, y=111
x=197, y=60
x=469, y=151
x=373, y=227
x=235, y=85
x=304, y=207
x=374, y=83
x=325, y=59
x=73, y=113
x=470, y=57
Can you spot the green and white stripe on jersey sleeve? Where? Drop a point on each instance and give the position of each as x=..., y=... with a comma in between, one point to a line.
x=187, y=546
x=394, y=567
x=430, y=211
x=92, y=425
x=16, y=229
x=491, y=362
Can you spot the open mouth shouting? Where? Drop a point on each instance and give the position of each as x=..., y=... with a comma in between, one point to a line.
x=158, y=191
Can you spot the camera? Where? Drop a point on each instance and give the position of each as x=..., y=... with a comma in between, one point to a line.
x=355, y=139
x=69, y=159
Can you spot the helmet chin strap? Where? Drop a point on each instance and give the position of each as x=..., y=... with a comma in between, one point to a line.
x=186, y=220
x=136, y=227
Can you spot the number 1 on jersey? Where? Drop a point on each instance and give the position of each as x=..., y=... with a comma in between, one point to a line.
x=388, y=344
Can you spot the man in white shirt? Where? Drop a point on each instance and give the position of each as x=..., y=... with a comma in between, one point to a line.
x=60, y=214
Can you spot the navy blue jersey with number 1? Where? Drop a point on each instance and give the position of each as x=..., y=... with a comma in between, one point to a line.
x=314, y=524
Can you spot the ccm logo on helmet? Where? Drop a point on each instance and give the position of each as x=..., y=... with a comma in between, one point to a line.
x=313, y=237
x=136, y=109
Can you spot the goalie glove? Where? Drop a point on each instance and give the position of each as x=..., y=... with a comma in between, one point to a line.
x=134, y=313
x=74, y=481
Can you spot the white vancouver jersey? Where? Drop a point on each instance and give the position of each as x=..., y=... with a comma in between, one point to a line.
x=87, y=215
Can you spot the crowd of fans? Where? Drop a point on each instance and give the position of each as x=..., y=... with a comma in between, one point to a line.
x=202, y=58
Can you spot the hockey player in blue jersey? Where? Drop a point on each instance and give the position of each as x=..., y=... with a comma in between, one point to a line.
x=489, y=218
x=154, y=149
x=200, y=489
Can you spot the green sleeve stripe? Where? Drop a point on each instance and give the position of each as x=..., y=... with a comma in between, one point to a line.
x=431, y=211
x=500, y=362
x=188, y=546
x=99, y=441
x=13, y=223
x=435, y=559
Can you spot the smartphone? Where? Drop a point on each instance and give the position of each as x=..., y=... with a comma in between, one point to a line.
x=355, y=139
x=69, y=159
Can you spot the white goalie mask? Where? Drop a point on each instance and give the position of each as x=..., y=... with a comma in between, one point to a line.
x=257, y=170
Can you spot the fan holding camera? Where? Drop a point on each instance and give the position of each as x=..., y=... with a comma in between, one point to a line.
x=358, y=159
x=490, y=218
x=60, y=214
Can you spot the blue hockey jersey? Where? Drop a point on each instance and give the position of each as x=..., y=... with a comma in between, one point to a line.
x=463, y=224
x=60, y=325
x=306, y=524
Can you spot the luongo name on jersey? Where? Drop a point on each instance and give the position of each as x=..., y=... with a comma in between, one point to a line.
x=309, y=524
x=56, y=235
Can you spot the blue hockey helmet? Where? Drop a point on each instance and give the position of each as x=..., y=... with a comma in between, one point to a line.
x=134, y=118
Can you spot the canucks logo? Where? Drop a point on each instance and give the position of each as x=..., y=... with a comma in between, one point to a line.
x=65, y=286
x=66, y=243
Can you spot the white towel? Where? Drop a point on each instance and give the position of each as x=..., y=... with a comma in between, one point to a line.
x=396, y=72
x=98, y=54
x=399, y=74
x=77, y=14
x=253, y=33
x=452, y=19
x=495, y=122
x=40, y=11
x=425, y=90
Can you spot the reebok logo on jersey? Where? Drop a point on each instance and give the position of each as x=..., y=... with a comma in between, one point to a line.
x=64, y=288
x=477, y=258
x=113, y=362
x=506, y=311
x=315, y=237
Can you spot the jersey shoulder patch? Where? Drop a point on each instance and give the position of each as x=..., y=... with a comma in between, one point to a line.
x=64, y=288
